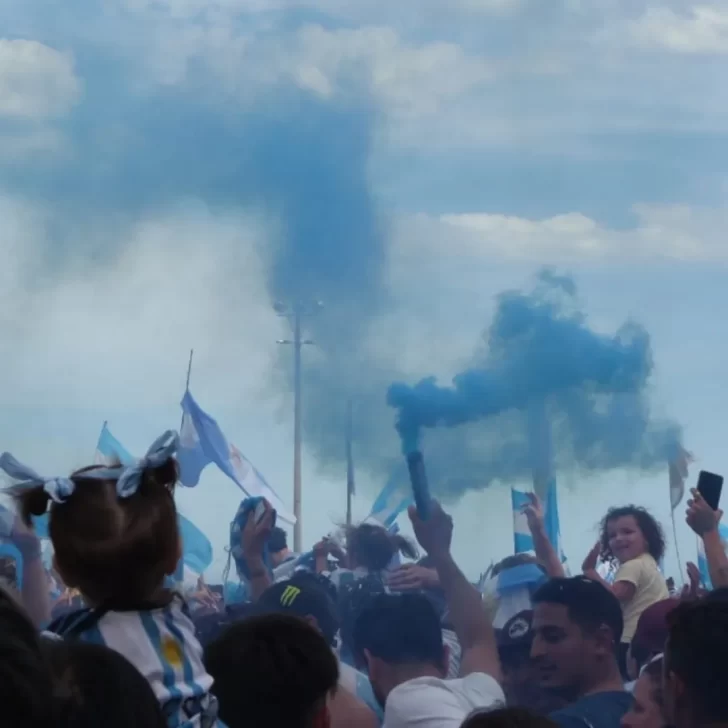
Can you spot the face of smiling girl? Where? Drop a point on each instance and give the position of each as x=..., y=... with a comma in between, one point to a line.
x=626, y=540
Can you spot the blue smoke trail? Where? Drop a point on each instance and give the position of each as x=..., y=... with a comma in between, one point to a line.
x=540, y=349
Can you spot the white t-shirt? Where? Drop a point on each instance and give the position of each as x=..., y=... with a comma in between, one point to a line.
x=429, y=702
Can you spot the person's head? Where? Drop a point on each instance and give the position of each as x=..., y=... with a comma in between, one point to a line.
x=695, y=672
x=577, y=626
x=651, y=634
x=270, y=671
x=111, y=547
x=95, y=685
x=628, y=532
x=302, y=596
x=647, y=709
x=398, y=637
x=353, y=598
x=373, y=547
x=512, y=561
x=507, y=718
x=25, y=681
x=278, y=546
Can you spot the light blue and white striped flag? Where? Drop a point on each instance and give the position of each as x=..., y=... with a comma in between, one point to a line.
x=522, y=539
x=395, y=497
x=202, y=442
x=703, y=562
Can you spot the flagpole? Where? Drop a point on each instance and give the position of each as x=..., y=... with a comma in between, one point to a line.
x=187, y=384
x=349, y=462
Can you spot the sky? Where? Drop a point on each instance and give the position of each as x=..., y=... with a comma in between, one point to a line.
x=171, y=168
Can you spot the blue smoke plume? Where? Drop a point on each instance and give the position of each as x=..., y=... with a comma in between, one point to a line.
x=540, y=353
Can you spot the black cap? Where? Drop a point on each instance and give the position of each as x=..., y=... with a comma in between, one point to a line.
x=303, y=598
x=516, y=632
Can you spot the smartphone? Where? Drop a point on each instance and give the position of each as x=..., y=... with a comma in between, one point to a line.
x=420, y=487
x=710, y=486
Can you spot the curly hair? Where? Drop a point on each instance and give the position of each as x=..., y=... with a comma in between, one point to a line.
x=651, y=530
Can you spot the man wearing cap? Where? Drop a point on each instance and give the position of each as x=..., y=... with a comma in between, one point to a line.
x=520, y=682
x=303, y=595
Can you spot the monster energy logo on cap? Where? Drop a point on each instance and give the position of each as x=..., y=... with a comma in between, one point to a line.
x=290, y=594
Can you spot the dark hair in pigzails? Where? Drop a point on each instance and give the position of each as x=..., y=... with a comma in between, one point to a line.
x=112, y=548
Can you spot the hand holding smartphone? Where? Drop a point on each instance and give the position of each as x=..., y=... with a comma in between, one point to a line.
x=710, y=486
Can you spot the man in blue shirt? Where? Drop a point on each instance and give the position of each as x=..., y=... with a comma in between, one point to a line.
x=577, y=626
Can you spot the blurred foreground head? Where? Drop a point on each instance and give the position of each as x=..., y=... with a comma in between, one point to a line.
x=271, y=671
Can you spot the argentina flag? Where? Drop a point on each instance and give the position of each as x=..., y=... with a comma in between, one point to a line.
x=202, y=442
x=703, y=562
x=522, y=539
x=395, y=497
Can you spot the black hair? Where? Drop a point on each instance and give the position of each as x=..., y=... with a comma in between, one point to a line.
x=510, y=562
x=507, y=718
x=399, y=629
x=278, y=540
x=589, y=604
x=95, y=685
x=111, y=548
x=373, y=547
x=646, y=522
x=26, y=689
x=354, y=598
x=269, y=671
x=695, y=652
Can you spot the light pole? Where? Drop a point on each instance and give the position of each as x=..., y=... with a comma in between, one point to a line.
x=295, y=315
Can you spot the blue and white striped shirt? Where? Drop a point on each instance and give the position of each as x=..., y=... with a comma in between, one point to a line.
x=162, y=645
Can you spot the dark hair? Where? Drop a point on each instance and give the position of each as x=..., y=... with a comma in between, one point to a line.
x=589, y=604
x=507, y=718
x=653, y=670
x=651, y=530
x=399, y=629
x=373, y=547
x=270, y=671
x=354, y=598
x=95, y=685
x=511, y=562
x=278, y=540
x=25, y=682
x=696, y=650
x=112, y=548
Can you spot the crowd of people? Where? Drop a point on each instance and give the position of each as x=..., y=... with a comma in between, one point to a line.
x=349, y=636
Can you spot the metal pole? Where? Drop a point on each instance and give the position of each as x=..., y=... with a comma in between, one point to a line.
x=187, y=385
x=349, y=461
x=297, y=343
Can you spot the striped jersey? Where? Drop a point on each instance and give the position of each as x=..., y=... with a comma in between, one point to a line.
x=162, y=645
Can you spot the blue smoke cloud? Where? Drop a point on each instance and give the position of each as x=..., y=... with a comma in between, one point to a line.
x=541, y=353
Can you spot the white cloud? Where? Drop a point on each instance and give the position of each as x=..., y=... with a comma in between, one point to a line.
x=702, y=29
x=36, y=82
x=406, y=78
x=673, y=232
x=118, y=328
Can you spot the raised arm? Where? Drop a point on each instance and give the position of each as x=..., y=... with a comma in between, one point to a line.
x=469, y=619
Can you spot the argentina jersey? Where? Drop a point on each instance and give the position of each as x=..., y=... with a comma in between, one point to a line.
x=162, y=645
